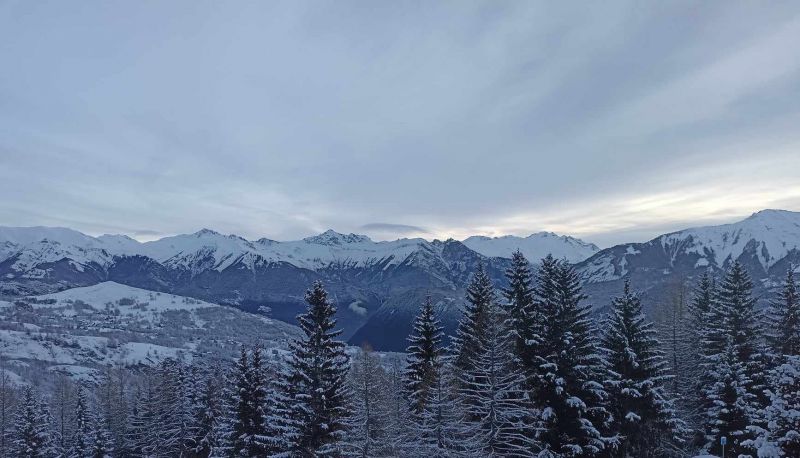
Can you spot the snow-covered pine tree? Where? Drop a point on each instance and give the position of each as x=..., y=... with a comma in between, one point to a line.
x=781, y=437
x=498, y=420
x=703, y=345
x=32, y=438
x=101, y=445
x=207, y=412
x=319, y=365
x=783, y=319
x=732, y=405
x=282, y=425
x=63, y=405
x=437, y=431
x=367, y=425
x=399, y=424
x=423, y=357
x=569, y=389
x=170, y=408
x=142, y=431
x=8, y=401
x=472, y=327
x=249, y=399
x=643, y=417
x=82, y=436
x=732, y=341
x=522, y=316
x=115, y=410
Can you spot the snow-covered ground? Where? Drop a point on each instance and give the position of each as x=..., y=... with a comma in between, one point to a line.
x=80, y=331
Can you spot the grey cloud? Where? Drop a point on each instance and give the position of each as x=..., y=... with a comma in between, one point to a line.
x=457, y=118
x=397, y=228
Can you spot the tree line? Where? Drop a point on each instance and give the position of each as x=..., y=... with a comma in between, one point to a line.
x=530, y=372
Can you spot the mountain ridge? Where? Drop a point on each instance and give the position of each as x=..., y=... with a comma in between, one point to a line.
x=378, y=285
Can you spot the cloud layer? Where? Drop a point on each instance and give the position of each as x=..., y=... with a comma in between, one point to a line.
x=612, y=122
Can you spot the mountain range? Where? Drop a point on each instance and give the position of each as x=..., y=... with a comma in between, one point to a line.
x=378, y=285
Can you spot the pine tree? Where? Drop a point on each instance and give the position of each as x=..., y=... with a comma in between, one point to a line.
x=471, y=330
x=170, y=409
x=734, y=364
x=101, y=446
x=143, y=429
x=82, y=435
x=436, y=431
x=207, y=411
x=282, y=424
x=498, y=413
x=249, y=399
x=522, y=317
x=8, y=401
x=569, y=389
x=319, y=367
x=115, y=409
x=643, y=417
x=783, y=319
x=732, y=404
x=368, y=423
x=423, y=360
x=703, y=313
x=31, y=439
x=62, y=404
x=781, y=437
x=399, y=422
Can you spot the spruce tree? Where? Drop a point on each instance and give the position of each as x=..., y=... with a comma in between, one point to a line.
x=31, y=438
x=703, y=313
x=368, y=423
x=732, y=404
x=569, y=389
x=522, y=317
x=781, y=437
x=101, y=440
x=498, y=420
x=207, y=413
x=8, y=401
x=783, y=319
x=642, y=415
x=319, y=364
x=248, y=399
x=423, y=357
x=734, y=371
x=437, y=432
x=82, y=434
x=471, y=330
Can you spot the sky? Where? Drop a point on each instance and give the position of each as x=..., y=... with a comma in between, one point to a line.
x=610, y=121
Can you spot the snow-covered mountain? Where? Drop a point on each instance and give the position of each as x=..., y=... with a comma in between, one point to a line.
x=761, y=242
x=80, y=331
x=31, y=250
x=534, y=246
x=378, y=285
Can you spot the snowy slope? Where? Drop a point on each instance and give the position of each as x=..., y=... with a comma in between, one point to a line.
x=774, y=232
x=760, y=241
x=82, y=330
x=534, y=246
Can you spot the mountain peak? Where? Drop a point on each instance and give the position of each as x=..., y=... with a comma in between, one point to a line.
x=331, y=237
x=205, y=232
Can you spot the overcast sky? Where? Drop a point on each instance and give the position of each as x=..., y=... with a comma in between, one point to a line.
x=610, y=121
